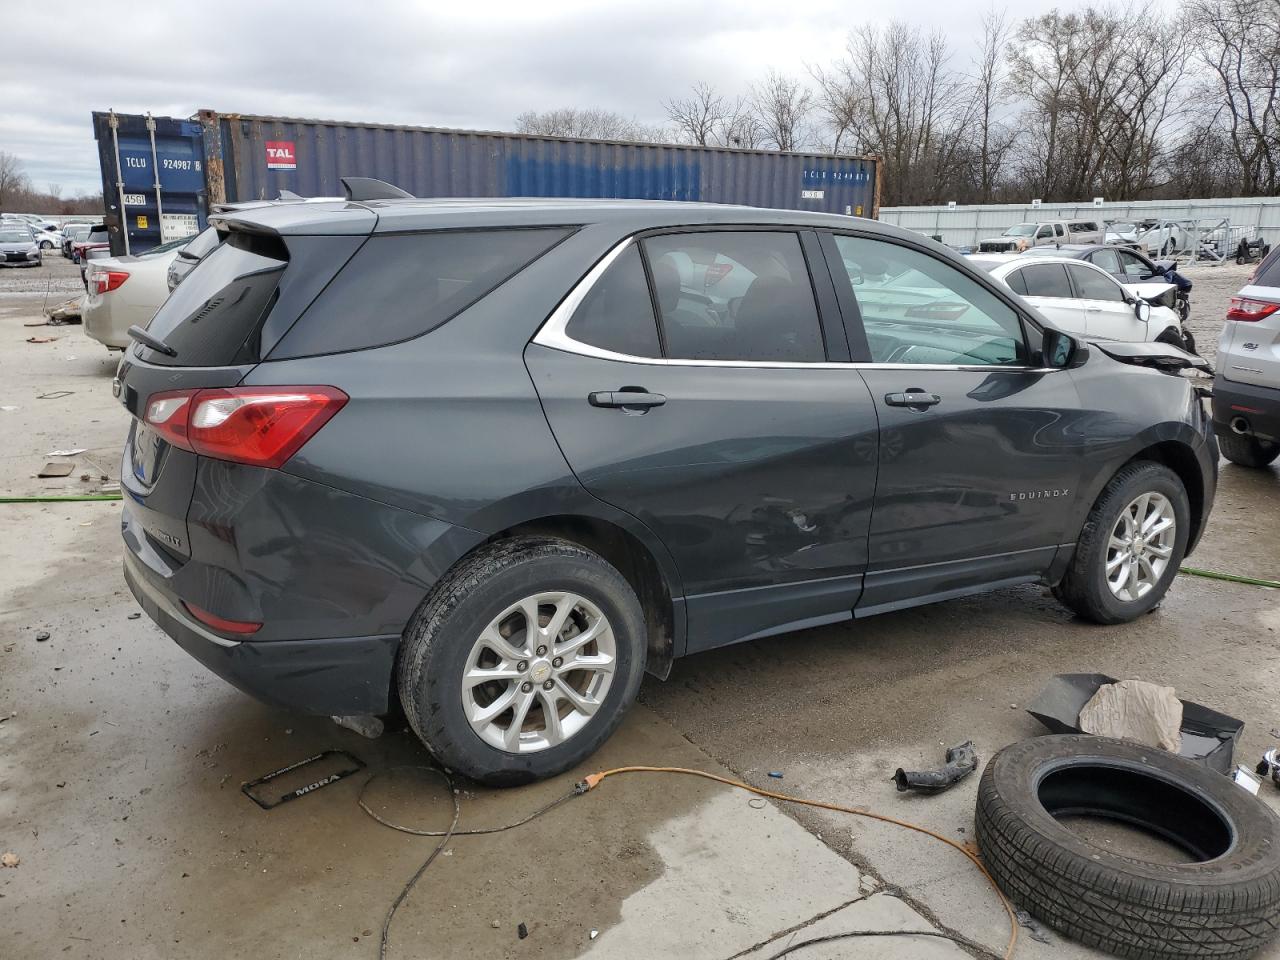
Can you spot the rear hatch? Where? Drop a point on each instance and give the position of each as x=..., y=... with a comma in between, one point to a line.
x=210, y=333
x=1253, y=355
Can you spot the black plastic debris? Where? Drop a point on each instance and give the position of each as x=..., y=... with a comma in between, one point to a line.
x=962, y=760
x=522, y=931
x=1208, y=737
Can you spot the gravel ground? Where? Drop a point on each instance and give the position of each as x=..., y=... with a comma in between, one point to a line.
x=56, y=276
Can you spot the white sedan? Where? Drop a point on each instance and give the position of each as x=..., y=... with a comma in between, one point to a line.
x=1081, y=298
x=123, y=291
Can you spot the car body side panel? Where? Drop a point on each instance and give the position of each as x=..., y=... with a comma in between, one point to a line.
x=1121, y=415
x=758, y=479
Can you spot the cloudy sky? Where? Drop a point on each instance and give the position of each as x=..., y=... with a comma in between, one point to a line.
x=467, y=64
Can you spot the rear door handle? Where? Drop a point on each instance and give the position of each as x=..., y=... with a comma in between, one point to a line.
x=912, y=398
x=625, y=398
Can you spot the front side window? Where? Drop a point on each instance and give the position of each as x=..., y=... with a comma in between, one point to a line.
x=1133, y=267
x=617, y=312
x=1044, y=233
x=1046, y=280
x=1092, y=285
x=918, y=309
x=735, y=295
x=1107, y=260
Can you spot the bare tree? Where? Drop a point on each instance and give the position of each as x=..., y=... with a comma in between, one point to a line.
x=591, y=122
x=991, y=94
x=13, y=181
x=893, y=94
x=1239, y=42
x=699, y=117
x=782, y=108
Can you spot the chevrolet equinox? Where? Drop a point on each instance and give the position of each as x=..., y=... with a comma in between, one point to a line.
x=495, y=459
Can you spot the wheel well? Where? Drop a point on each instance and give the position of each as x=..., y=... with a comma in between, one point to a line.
x=632, y=559
x=1181, y=460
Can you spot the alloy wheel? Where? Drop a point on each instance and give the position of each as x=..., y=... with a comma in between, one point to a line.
x=538, y=672
x=1141, y=546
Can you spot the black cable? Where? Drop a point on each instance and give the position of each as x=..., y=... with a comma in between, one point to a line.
x=577, y=791
x=445, y=835
x=849, y=935
x=444, y=839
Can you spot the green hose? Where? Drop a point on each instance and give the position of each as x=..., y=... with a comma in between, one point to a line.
x=76, y=499
x=1230, y=577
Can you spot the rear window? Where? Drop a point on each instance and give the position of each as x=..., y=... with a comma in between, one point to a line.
x=401, y=286
x=99, y=235
x=215, y=317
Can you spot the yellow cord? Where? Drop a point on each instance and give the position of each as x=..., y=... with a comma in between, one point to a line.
x=595, y=779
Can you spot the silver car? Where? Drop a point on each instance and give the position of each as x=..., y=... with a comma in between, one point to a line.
x=126, y=291
x=18, y=248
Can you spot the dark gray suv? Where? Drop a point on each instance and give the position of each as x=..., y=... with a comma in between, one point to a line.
x=497, y=458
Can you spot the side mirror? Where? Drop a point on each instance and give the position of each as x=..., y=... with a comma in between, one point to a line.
x=1142, y=310
x=1058, y=348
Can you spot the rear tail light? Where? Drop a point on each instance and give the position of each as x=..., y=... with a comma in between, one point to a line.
x=1248, y=309
x=221, y=624
x=104, y=281
x=260, y=426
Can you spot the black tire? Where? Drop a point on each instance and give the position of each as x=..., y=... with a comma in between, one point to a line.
x=439, y=639
x=1225, y=904
x=1084, y=587
x=1247, y=451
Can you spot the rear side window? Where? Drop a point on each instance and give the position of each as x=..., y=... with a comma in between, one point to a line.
x=729, y=295
x=1046, y=280
x=214, y=317
x=400, y=286
x=1016, y=282
x=1107, y=260
x=617, y=312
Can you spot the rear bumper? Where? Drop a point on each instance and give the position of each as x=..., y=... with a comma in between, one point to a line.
x=1259, y=406
x=99, y=322
x=331, y=677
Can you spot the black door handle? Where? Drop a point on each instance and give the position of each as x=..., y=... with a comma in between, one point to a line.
x=625, y=398
x=912, y=398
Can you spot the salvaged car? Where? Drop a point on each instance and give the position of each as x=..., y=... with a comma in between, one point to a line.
x=496, y=459
x=18, y=248
x=1024, y=236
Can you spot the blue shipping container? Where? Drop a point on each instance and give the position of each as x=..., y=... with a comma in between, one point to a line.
x=153, y=179
x=254, y=158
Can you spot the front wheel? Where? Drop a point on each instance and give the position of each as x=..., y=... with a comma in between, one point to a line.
x=1130, y=546
x=522, y=661
x=1247, y=451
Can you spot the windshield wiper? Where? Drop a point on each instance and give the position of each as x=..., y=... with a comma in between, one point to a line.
x=155, y=343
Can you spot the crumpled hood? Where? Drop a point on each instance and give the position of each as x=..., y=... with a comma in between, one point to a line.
x=1162, y=356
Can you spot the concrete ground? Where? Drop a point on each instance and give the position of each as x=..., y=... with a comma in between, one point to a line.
x=121, y=758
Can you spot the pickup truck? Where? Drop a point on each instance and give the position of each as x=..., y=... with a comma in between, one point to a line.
x=1024, y=236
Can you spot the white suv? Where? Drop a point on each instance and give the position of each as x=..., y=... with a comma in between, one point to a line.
x=1246, y=391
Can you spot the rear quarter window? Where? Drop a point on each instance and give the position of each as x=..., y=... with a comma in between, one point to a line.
x=400, y=286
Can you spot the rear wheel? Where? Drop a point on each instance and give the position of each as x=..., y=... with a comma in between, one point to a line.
x=1247, y=451
x=1130, y=546
x=522, y=661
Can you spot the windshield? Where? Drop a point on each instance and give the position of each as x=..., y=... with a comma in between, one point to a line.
x=77, y=231
x=1123, y=227
x=1021, y=230
x=14, y=236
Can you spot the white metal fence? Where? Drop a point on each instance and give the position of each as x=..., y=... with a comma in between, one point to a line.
x=964, y=226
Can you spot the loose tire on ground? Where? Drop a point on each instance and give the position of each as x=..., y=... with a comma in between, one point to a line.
x=439, y=640
x=1084, y=587
x=1247, y=451
x=1225, y=904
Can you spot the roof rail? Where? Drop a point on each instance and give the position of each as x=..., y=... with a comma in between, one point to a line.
x=367, y=188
